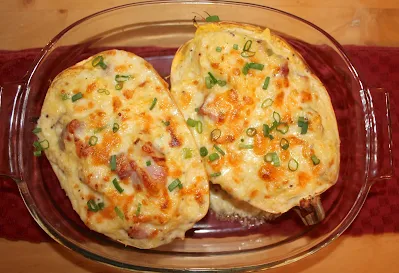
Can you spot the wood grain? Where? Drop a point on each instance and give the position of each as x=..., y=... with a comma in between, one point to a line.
x=32, y=23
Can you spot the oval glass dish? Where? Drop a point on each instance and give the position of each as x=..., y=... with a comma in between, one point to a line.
x=154, y=31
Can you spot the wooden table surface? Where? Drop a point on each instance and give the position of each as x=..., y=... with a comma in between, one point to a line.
x=31, y=23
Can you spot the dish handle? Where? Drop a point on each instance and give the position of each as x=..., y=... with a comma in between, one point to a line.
x=10, y=106
x=381, y=144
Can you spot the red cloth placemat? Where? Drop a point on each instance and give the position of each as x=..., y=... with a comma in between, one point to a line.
x=378, y=66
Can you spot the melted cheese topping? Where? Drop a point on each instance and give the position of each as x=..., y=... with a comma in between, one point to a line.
x=136, y=125
x=233, y=103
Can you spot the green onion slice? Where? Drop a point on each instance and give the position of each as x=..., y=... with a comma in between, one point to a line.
x=208, y=82
x=284, y=144
x=215, y=174
x=215, y=134
x=166, y=123
x=293, y=165
x=213, y=79
x=77, y=96
x=119, y=213
x=235, y=46
x=304, y=128
x=203, y=151
x=121, y=78
x=175, y=184
x=214, y=156
x=266, y=103
x=247, y=45
x=315, y=160
x=41, y=145
x=138, y=209
x=247, y=54
x=112, y=162
x=251, y=132
x=272, y=158
x=93, y=140
x=218, y=49
x=266, y=83
x=102, y=90
x=115, y=127
x=187, y=153
x=117, y=186
x=282, y=127
x=256, y=66
x=217, y=148
x=37, y=153
x=222, y=83
x=212, y=18
x=245, y=69
x=266, y=130
x=36, y=130
x=101, y=205
x=119, y=86
x=191, y=122
x=99, y=60
x=92, y=206
x=246, y=146
x=154, y=101
x=276, y=117
x=198, y=127
x=148, y=163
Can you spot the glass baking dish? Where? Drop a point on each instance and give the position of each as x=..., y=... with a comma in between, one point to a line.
x=154, y=30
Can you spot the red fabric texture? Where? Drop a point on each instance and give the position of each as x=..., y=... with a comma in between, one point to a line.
x=379, y=67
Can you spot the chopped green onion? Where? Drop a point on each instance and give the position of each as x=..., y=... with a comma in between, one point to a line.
x=208, y=82
x=251, y=132
x=282, y=128
x=37, y=153
x=119, y=86
x=247, y=45
x=191, y=122
x=36, y=130
x=154, y=101
x=175, y=183
x=215, y=174
x=215, y=134
x=115, y=127
x=99, y=60
x=39, y=145
x=276, y=117
x=102, y=90
x=112, y=162
x=293, y=165
x=203, y=151
x=222, y=83
x=213, y=79
x=274, y=125
x=92, y=206
x=271, y=137
x=217, y=148
x=269, y=52
x=187, y=153
x=245, y=69
x=196, y=109
x=77, y=96
x=212, y=18
x=246, y=146
x=64, y=97
x=235, y=46
x=256, y=66
x=315, y=160
x=284, y=144
x=273, y=159
x=304, y=128
x=266, y=103
x=218, y=49
x=266, y=130
x=247, y=54
x=303, y=123
x=119, y=213
x=148, y=163
x=138, y=209
x=266, y=83
x=117, y=186
x=97, y=130
x=101, y=205
x=214, y=156
x=198, y=127
x=93, y=140
x=166, y=123
x=121, y=78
